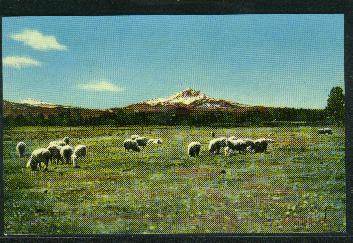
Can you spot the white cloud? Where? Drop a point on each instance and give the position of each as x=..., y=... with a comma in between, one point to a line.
x=19, y=62
x=101, y=86
x=38, y=41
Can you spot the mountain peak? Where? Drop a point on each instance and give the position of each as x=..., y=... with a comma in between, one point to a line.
x=189, y=93
x=184, y=97
x=193, y=99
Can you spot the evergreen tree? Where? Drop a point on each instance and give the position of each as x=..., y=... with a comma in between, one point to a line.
x=335, y=105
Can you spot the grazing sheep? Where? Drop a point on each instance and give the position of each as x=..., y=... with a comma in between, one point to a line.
x=130, y=144
x=250, y=149
x=55, y=153
x=216, y=144
x=239, y=145
x=154, y=141
x=325, y=131
x=66, y=153
x=66, y=140
x=63, y=142
x=133, y=137
x=228, y=151
x=261, y=144
x=21, y=149
x=141, y=141
x=37, y=157
x=249, y=142
x=58, y=143
x=194, y=149
x=79, y=152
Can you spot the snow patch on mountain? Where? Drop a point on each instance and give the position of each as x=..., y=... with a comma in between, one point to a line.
x=185, y=97
x=34, y=102
x=192, y=98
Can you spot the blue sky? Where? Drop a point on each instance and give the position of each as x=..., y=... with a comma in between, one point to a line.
x=113, y=61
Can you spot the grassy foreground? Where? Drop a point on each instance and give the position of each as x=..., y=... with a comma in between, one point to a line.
x=297, y=186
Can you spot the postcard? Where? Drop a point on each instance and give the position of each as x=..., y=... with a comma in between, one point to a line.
x=174, y=124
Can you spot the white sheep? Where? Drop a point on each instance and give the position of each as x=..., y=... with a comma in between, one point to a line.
x=233, y=138
x=130, y=144
x=228, y=151
x=55, y=153
x=37, y=157
x=261, y=144
x=21, y=149
x=141, y=141
x=58, y=143
x=249, y=143
x=154, y=141
x=63, y=142
x=326, y=130
x=270, y=140
x=194, y=149
x=66, y=153
x=79, y=152
x=250, y=149
x=237, y=145
x=216, y=144
x=66, y=140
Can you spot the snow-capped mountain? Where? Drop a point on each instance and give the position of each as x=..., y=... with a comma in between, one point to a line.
x=185, y=97
x=190, y=99
x=183, y=101
x=34, y=102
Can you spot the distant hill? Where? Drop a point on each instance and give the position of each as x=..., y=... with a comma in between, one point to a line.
x=187, y=107
x=34, y=108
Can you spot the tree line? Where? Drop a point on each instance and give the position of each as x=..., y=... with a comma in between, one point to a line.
x=257, y=116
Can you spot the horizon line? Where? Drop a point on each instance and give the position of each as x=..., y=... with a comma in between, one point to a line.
x=122, y=107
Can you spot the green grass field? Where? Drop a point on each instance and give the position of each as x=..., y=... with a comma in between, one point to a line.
x=297, y=186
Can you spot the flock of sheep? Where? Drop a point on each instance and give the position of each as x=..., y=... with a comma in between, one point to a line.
x=61, y=151
x=136, y=141
x=57, y=151
x=230, y=145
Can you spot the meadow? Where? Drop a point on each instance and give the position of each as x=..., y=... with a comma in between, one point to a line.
x=297, y=186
